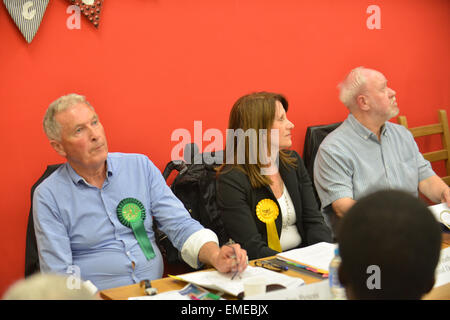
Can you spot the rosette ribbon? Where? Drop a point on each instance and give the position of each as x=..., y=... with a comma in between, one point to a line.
x=267, y=212
x=131, y=213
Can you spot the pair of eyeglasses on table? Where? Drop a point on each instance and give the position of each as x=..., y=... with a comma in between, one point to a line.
x=269, y=266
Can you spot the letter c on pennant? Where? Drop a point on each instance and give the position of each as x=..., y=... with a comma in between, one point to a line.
x=26, y=13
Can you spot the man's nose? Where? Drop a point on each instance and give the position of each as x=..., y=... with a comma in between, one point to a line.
x=94, y=133
x=393, y=93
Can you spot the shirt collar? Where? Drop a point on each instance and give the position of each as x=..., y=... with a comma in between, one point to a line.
x=362, y=131
x=76, y=178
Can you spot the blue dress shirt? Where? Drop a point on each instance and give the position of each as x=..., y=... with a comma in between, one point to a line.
x=76, y=223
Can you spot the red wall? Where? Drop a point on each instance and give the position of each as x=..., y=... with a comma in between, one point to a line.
x=154, y=66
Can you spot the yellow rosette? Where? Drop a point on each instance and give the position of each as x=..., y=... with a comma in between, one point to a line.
x=267, y=212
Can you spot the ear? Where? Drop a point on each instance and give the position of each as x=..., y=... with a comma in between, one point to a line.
x=362, y=102
x=58, y=147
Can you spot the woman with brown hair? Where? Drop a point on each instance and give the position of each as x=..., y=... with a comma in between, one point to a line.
x=263, y=190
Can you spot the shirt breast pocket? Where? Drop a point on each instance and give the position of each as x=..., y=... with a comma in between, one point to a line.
x=408, y=175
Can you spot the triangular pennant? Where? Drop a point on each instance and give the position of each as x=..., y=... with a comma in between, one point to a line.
x=27, y=14
x=90, y=9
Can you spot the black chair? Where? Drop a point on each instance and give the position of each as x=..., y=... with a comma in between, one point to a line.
x=31, y=251
x=313, y=139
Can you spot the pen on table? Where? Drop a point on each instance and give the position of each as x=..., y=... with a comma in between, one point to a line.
x=282, y=268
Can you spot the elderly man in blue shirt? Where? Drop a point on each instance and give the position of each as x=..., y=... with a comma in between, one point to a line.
x=96, y=211
x=367, y=153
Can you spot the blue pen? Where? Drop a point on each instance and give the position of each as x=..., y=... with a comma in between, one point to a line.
x=283, y=268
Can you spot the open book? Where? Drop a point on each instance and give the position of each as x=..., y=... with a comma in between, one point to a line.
x=315, y=258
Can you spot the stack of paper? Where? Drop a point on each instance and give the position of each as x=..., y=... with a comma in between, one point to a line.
x=314, y=258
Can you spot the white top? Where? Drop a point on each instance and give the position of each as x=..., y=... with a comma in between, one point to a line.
x=290, y=237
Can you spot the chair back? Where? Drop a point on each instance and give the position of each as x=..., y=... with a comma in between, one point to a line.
x=440, y=128
x=313, y=139
x=31, y=251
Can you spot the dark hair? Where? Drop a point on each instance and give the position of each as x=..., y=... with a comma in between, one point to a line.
x=396, y=232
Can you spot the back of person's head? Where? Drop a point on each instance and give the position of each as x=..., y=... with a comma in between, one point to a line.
x=47, y=287
x=398, y=236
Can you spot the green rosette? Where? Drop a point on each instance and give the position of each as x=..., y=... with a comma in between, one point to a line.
x=131, y=213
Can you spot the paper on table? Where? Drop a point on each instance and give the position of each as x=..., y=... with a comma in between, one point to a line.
x=222, y=282
x=442, y=273
x=317, y=256
x=314, y=291
x=442, y=213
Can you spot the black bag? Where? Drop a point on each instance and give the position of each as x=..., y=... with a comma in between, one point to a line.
x=195, y=186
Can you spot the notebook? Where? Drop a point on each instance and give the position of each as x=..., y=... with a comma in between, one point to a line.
x=316, y=257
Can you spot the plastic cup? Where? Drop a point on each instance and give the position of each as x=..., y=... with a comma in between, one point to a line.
x=254, y=286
